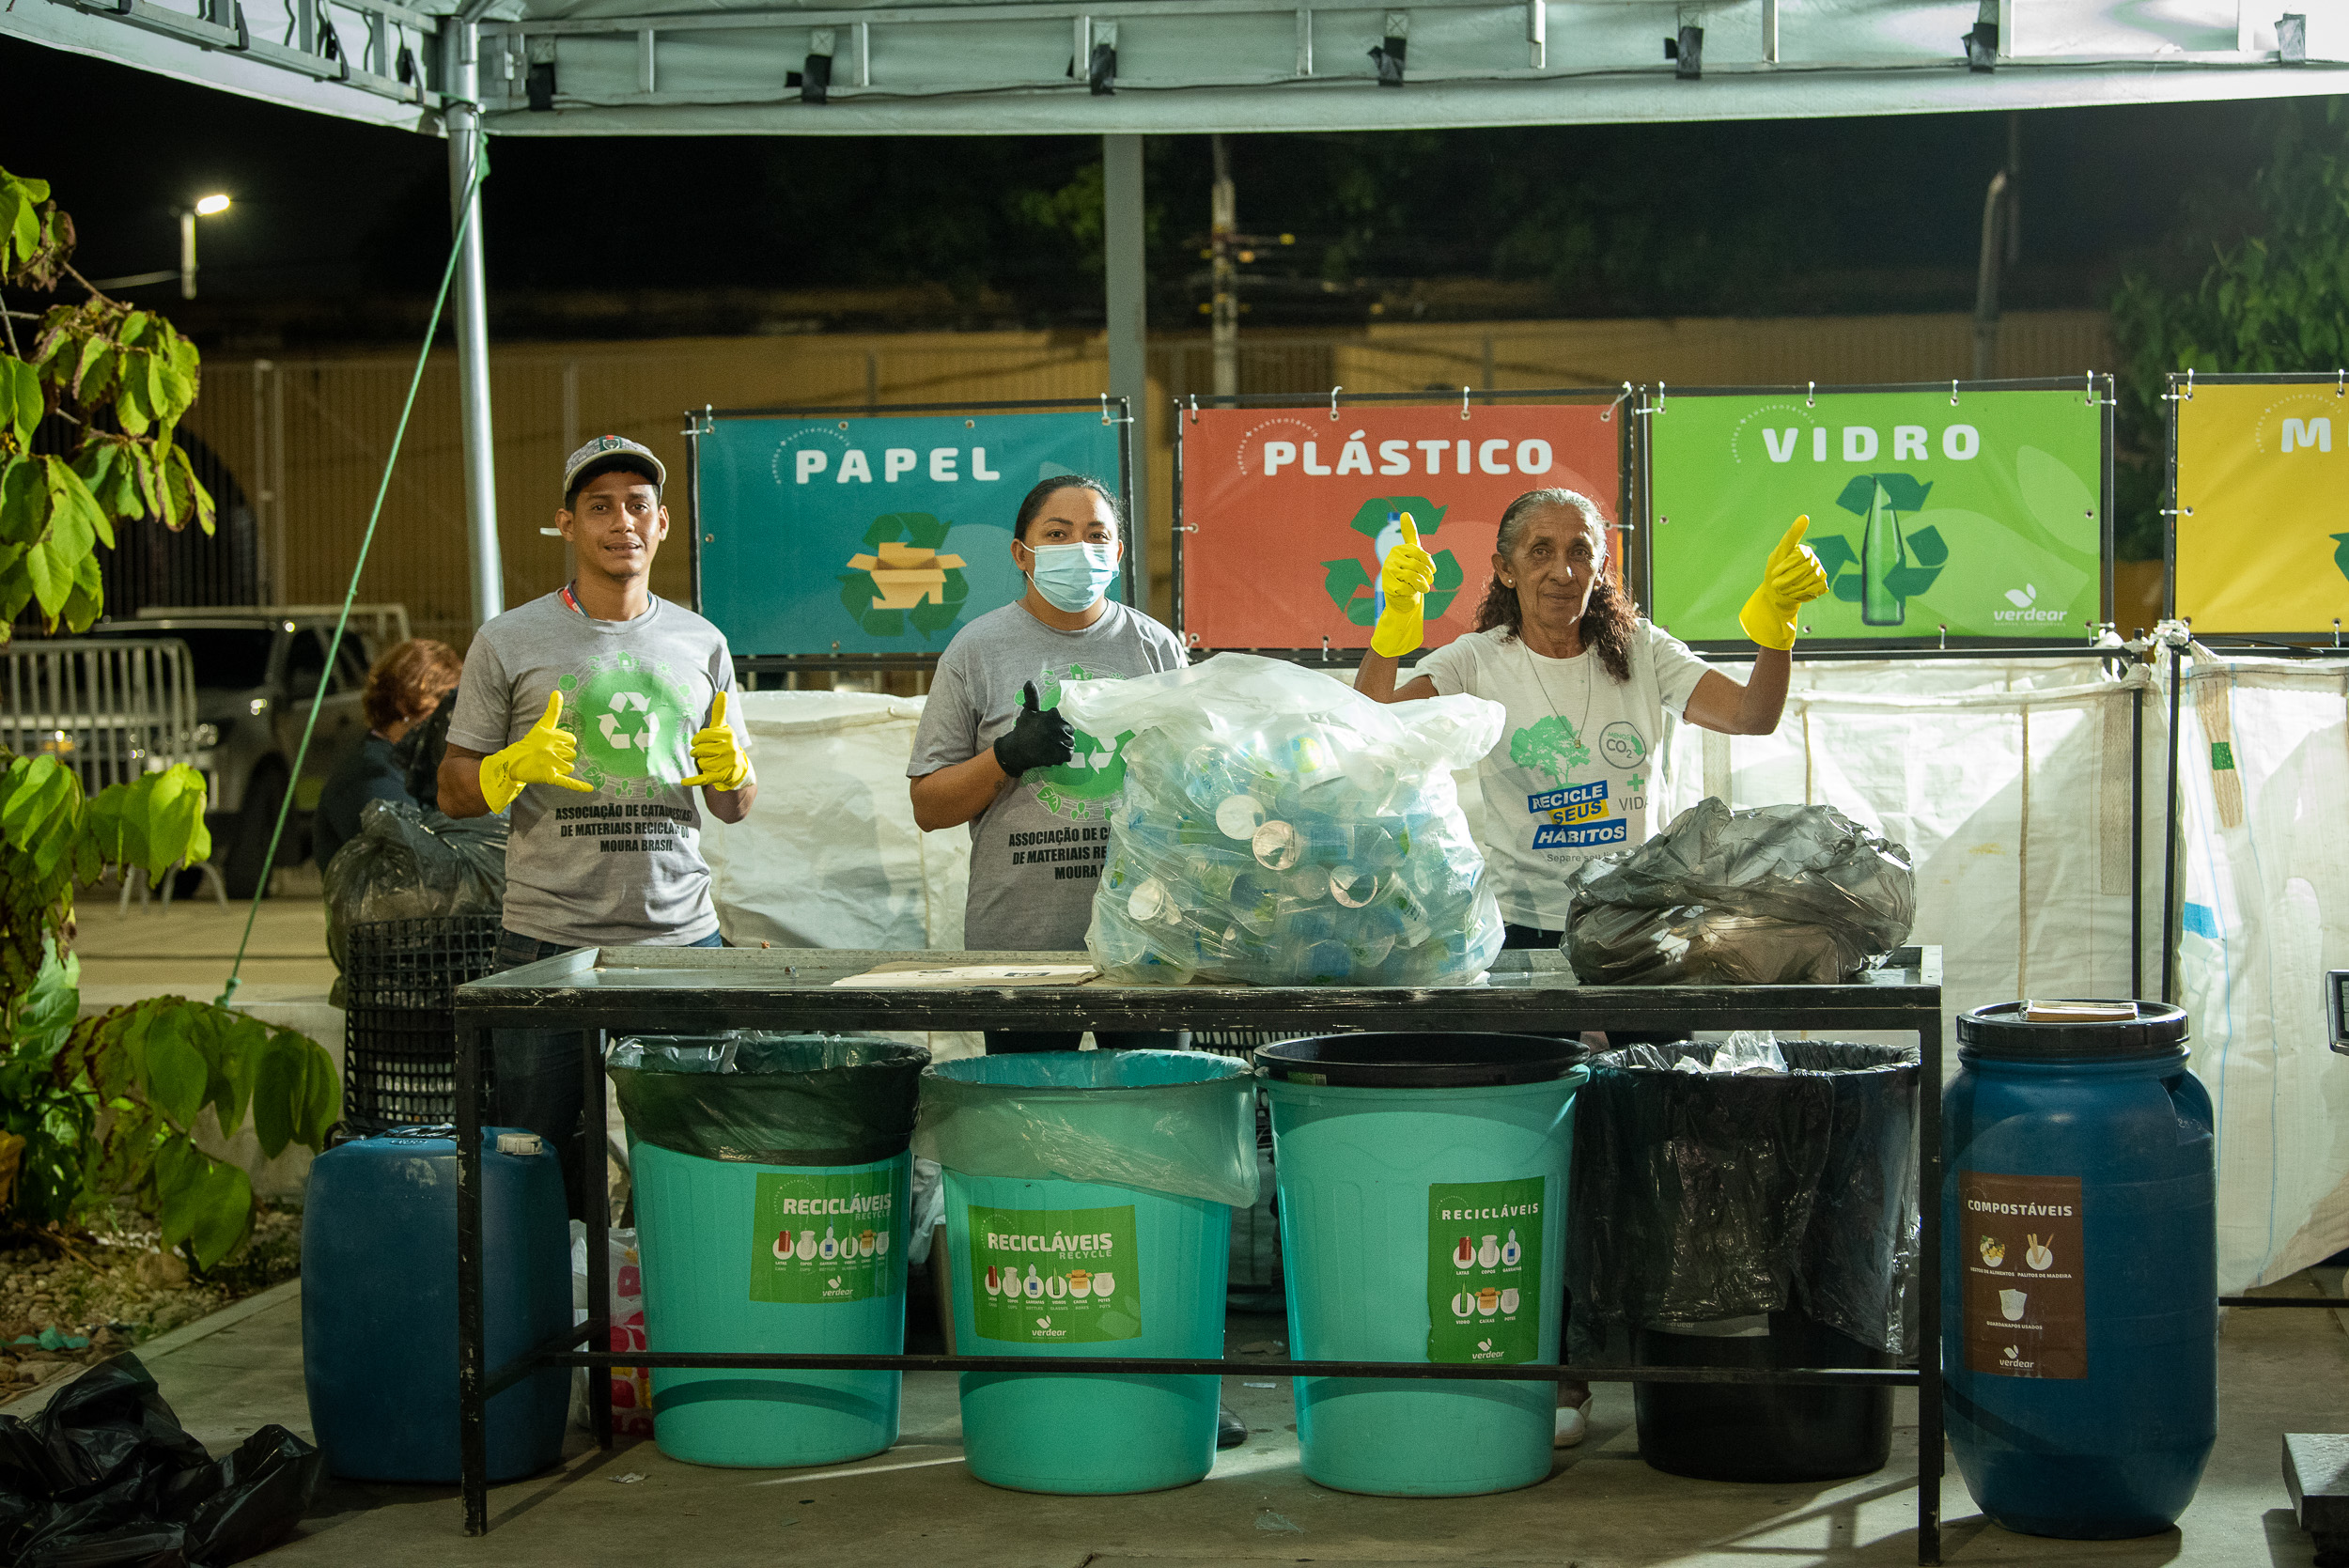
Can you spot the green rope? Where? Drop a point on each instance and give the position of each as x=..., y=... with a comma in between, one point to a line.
x=318, y=699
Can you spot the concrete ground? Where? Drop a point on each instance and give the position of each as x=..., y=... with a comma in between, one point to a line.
x=186, y=947
x=1601, y=1508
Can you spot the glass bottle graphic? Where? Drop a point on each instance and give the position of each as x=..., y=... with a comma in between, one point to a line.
x=1881, y=552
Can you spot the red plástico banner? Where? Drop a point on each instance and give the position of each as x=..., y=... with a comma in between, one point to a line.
x=1291, y=509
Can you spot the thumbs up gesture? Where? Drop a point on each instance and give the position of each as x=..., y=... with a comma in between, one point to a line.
x=544, y=755
x=1038, y=738
x=1405, y=578
x=1791, y=577
x=718, y=753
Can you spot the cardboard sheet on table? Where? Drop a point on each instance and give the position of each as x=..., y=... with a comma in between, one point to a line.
x=913, y=973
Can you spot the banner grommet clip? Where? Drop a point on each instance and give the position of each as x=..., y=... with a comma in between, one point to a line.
x=1464, y=406
x=1953, y=392
x=1809, y=395
x=1194, y=408
x=1334, y=403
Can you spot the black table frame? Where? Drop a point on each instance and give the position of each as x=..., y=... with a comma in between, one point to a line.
x=621, y=990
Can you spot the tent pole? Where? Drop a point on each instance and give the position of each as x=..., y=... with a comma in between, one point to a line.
x=1129, y=333
x=467, y=145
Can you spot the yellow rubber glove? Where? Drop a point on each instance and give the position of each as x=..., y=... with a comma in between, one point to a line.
x=1407, y=574
x=718, y=752
x=1791, y=579
x=542, y=756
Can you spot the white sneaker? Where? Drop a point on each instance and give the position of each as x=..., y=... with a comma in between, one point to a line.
x=1573, y=1424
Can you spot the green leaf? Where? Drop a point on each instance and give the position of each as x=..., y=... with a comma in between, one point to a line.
x=281, y=1093
x=201, y=1203
x=23, y=403
x=24, y=227
x=24, y=501
x=88, y=597
x=324, y=1099
x=94, y=370
x=45, y=1014
x=72, y=499
x=176, y=1070
x=244, y=1042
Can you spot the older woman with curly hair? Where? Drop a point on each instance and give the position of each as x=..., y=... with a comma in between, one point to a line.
x=1586, y=682
x=403, y=688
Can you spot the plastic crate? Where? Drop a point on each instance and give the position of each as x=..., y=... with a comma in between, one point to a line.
x=399, y=1022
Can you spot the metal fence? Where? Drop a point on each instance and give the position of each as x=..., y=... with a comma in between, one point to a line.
x=109, y=709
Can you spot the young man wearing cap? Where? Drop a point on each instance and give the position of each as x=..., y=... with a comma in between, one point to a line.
x=596, y=712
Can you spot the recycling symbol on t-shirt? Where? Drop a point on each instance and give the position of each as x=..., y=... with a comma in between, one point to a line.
x=1095, y=774
x=632, y=716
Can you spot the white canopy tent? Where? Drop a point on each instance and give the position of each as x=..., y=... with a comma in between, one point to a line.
x=1121, y=69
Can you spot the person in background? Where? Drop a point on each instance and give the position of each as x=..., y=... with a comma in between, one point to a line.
x=1587, y=682
x=993, y=751
x=404, y=689
x=598, y=714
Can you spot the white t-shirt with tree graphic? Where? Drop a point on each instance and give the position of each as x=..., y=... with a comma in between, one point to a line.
x=1572, y=774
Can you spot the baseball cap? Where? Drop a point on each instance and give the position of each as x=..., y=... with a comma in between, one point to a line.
x=609, y=451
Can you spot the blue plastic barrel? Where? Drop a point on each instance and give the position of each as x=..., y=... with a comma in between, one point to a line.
x=1422, y=1183
x=2079, y=1271
x=1071, y=1270
x=379, y=1302
x=747, y=1257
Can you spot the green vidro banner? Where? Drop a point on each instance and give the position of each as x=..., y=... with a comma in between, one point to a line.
x=875, y=534
x=1985, y=515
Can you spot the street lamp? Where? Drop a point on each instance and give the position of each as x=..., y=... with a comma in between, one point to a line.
x=206, y=207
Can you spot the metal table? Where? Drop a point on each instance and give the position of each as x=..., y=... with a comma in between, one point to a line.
x=621, y=990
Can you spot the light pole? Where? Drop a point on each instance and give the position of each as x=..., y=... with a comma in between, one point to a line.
x=206, y=207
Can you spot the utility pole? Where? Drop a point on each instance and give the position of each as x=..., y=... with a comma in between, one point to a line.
x=2001, y=247
x=1224, y=322
x=1126, y=261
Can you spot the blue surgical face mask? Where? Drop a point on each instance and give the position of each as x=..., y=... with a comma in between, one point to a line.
x=1072, y=577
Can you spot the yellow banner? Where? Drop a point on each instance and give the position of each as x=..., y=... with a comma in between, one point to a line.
x=2263, y=491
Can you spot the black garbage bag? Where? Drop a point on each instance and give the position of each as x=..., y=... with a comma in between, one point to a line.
x=1779, y=896
x=1702, y=1196
x=409, y=862
x=419, y=752
x=769, y=1099
x=105, y=1477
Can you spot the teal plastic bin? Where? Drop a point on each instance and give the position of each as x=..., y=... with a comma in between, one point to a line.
x=772, y=1190
x=1088, y=1213
x=1422, y=1196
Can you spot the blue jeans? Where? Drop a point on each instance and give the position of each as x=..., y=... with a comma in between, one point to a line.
x=538, y=1084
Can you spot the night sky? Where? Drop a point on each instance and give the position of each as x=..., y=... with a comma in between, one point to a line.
x=1783, y=218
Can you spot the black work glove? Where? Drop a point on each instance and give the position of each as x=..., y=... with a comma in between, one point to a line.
x=1039, y=738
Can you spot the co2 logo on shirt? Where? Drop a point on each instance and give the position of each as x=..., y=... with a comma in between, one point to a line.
x=1621, y=745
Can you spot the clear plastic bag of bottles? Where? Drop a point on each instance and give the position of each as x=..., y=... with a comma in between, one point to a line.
x=1277, y=827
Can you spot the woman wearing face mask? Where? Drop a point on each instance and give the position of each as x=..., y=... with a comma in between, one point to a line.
x=1586, y=682
x=994, y=752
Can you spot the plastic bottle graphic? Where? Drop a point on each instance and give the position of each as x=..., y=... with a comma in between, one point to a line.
x=1463, y=1254
x=1511, y=1251
x=1389, y=536
x=1490, y=1254
x=1034, y=1286
x=829, y=1248
x=806, y=1248
x=1881, y=553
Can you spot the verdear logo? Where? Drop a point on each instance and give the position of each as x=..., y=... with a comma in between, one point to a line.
x=2026, y=601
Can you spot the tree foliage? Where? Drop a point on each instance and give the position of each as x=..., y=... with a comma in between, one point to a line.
x=2254, y=281
x=122, y=378
x=110, y=1105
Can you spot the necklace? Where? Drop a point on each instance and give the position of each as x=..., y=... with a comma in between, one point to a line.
x=1589, y=690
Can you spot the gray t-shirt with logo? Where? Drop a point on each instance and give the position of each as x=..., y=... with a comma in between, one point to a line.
x=622, y=865
x=1037, y=852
